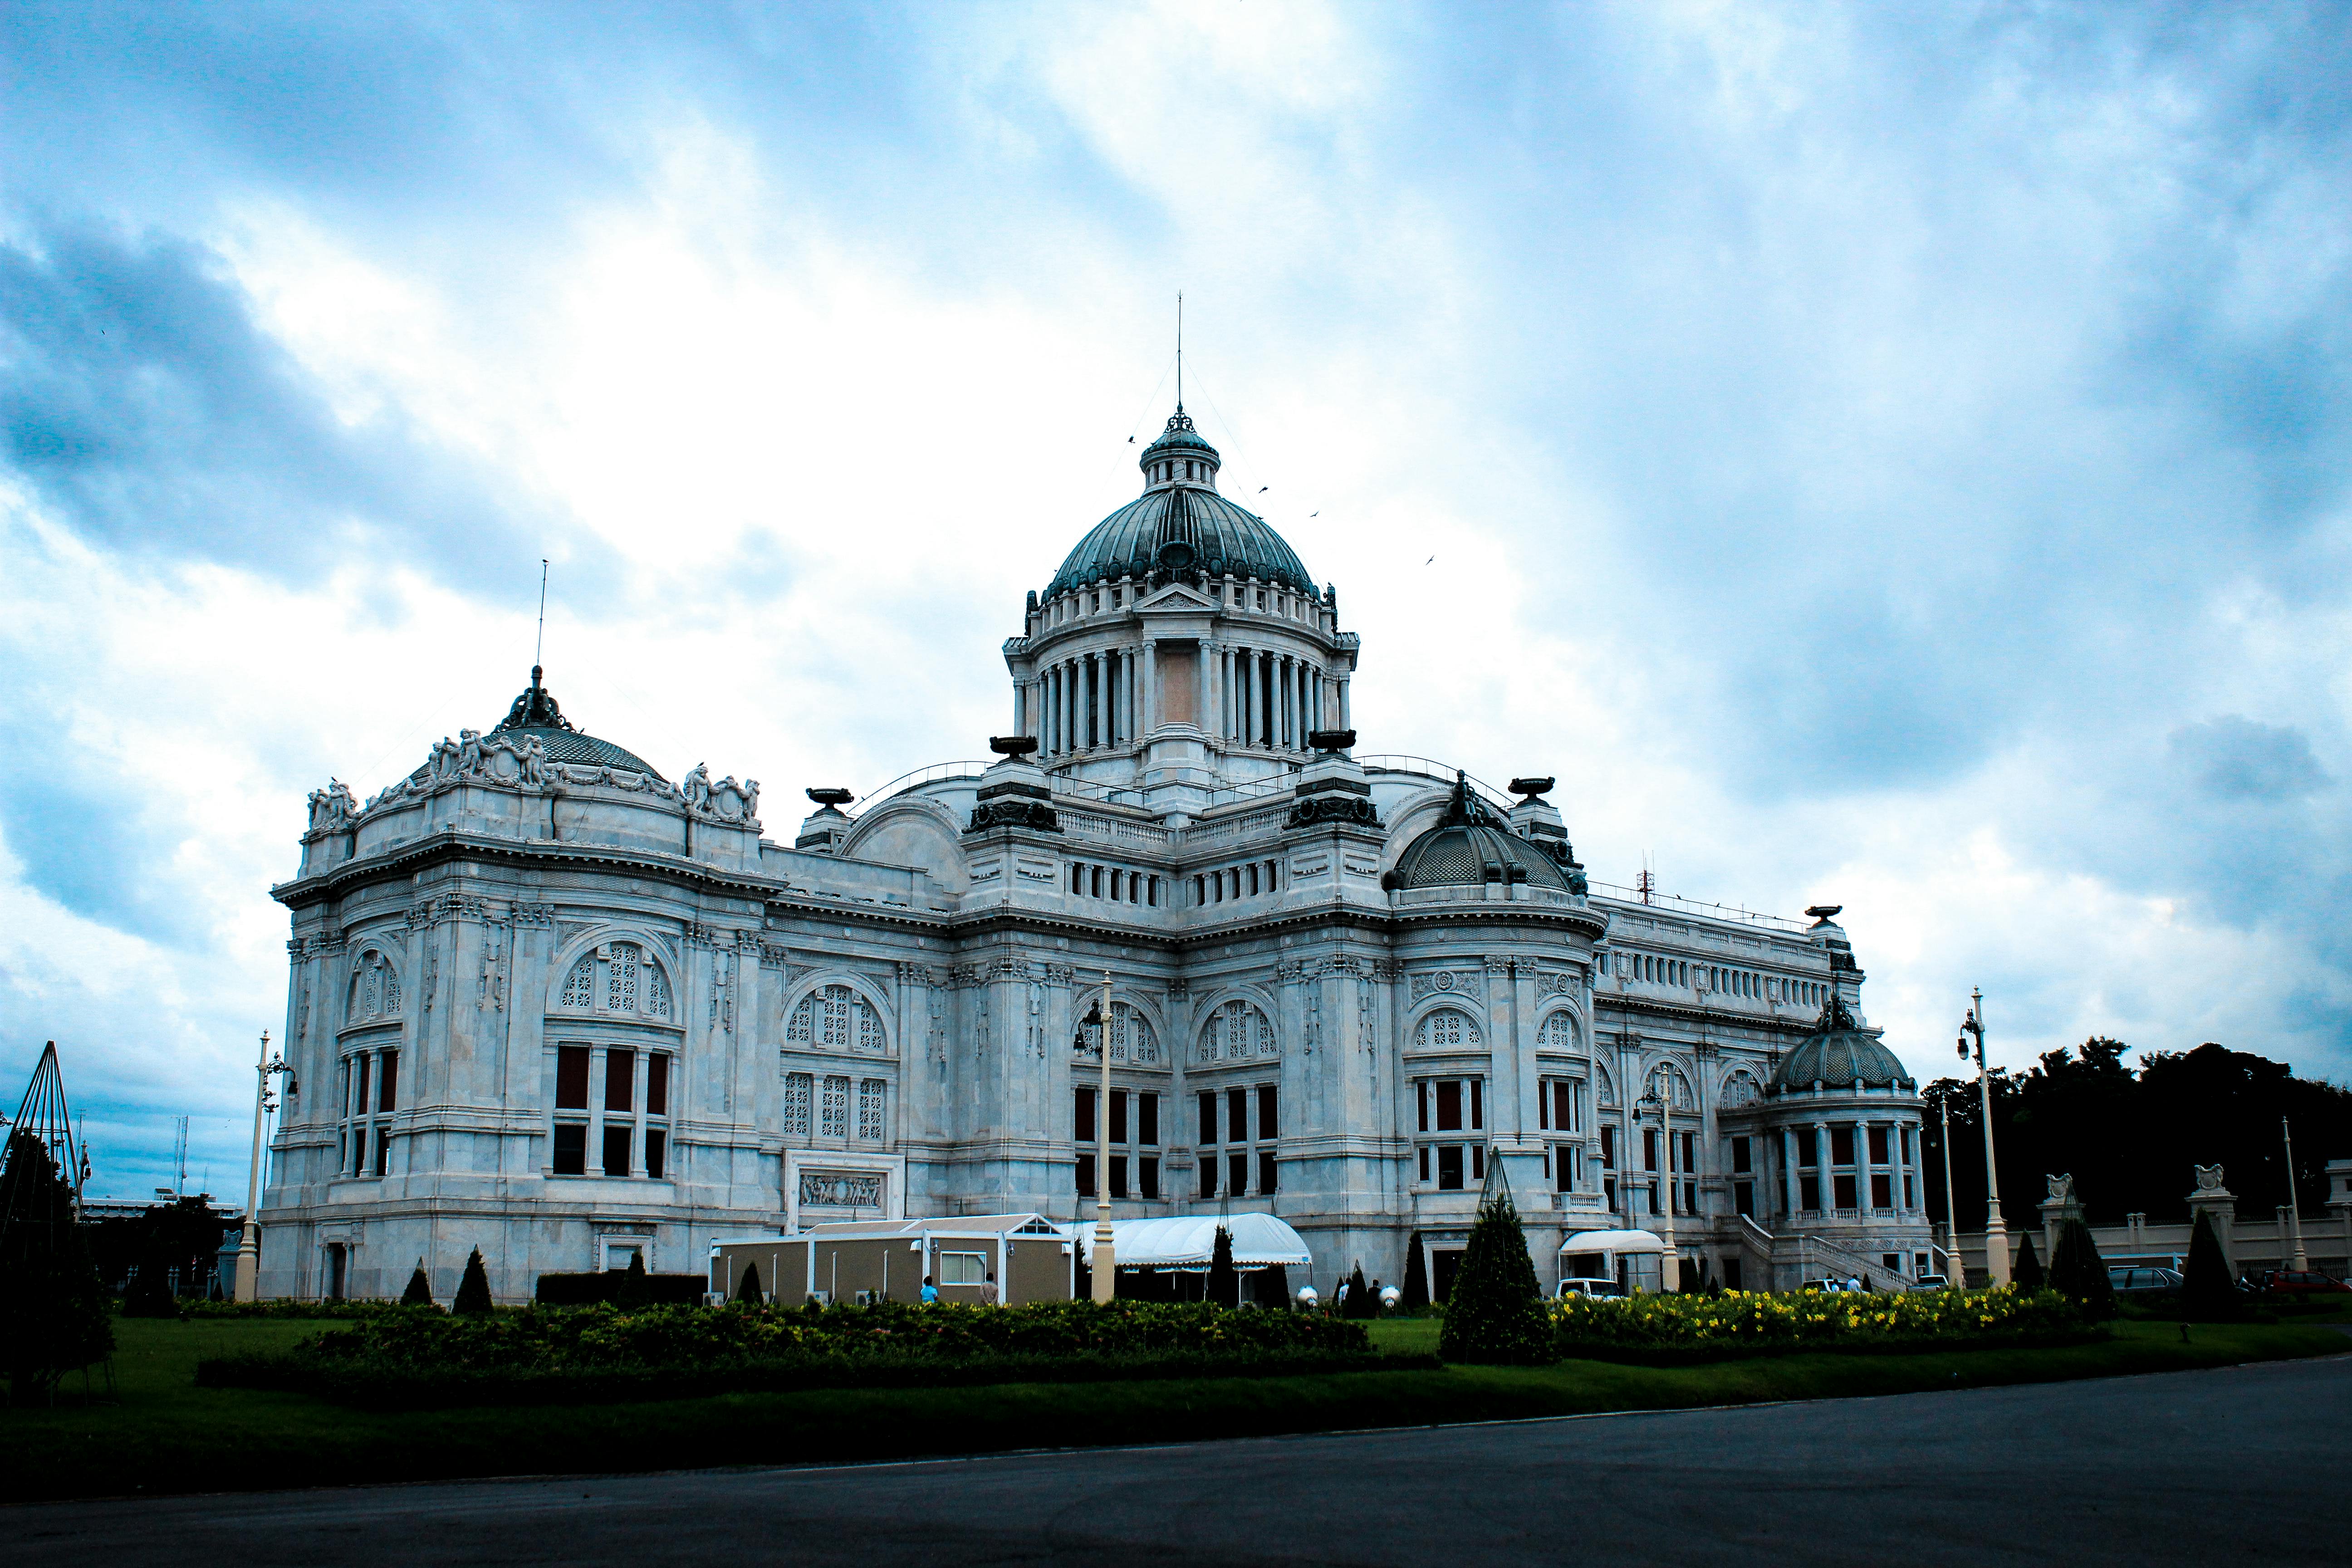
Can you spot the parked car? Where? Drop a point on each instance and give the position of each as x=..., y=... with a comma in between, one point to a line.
x=2139, y=1283
x=2295, y=1284
x=1590, y=1287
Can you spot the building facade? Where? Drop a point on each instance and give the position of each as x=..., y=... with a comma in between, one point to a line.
x=544, y=1002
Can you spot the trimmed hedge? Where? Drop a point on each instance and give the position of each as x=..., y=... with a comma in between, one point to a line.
x=416, y=1358
x=1668, y=1330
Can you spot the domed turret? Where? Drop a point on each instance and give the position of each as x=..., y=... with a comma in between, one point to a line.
x=1180, y=523
x=1469, y=848
x=535, y=714
x=1838, y=1054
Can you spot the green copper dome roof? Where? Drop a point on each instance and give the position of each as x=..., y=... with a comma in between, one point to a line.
x=1181, y=524
x=535, y=714
x=1469, y=848
x=1836, y=1054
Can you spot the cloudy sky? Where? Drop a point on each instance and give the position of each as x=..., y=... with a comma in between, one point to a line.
x=1887, y=455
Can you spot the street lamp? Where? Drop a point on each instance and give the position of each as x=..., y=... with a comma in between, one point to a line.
x=1996, y=1232
x=248, y=1247
x=1104, y=1256
x=1952, y=1276
x=2300, y=1261
x=1660, y=1104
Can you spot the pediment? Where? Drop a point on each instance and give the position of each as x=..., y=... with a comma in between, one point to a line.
x=1178, y=596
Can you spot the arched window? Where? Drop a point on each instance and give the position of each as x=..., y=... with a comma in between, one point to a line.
x=579, y=985
x=835, y=1018
x=1447, y=1029
x=1236, y=1032
x=1558, y=1033
x=375, y=988
x=621, y=978
x=1131, y=1037
x=1739, y=1090
x=1679, y=1087
x=1604, y=1088
x=632, y=983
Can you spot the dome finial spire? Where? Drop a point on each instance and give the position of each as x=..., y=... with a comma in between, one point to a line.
x=1179, y=351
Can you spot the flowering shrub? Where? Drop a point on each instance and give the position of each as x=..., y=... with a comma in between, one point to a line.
x=1740, y=1322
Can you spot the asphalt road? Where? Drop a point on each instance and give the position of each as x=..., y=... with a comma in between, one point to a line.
x=2248, y=1464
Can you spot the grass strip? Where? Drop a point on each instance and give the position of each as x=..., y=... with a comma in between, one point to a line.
x=166, y=1435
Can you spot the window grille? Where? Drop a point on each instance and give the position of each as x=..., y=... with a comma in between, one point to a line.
x=798, y=1088
x=870, y=1109
x=835, y=1107
x=579, y=985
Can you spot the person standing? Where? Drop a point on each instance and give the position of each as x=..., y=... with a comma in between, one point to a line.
x=930, y=1292
x=988, y=1291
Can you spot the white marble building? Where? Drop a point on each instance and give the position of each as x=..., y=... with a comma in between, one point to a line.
x=545, y=1003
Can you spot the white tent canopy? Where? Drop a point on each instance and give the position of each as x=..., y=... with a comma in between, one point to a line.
x=1623, y=1243
x=1260, y=1241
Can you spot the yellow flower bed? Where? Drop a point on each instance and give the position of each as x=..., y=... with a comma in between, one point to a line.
x=1741, y=1320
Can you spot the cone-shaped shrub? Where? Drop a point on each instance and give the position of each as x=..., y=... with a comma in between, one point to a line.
x=1360, y=1296
x=474, y=1289
x=2080, y=1274
x=747, y=1288
x=1224, y=1286
x=420, y=1289
x=2206, y=1288
x=2028, y=1274
x=1494, y=1313
x=633, y=1290
x=53, y=1315
x=1416, y=1277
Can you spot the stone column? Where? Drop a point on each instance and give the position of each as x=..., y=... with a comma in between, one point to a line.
x=1151, y=703
x=1824, y=1163
x=2221, y=1205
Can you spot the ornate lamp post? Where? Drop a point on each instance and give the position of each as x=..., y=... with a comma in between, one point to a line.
x=1951, y=1224
x=2301, y=1260
x=248, y=1247
x=1653, y=1102
x=1996, y=1232
x=1105, y=1261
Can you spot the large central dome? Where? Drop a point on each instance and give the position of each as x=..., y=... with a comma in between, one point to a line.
x=1179, y=523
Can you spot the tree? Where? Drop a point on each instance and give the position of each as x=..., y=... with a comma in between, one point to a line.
x=2206, y=1288
x=1224, y=1286
x=420, y=1289
x=633, y=1290
x=2079, y=1273
x=747, y=1288
x=474, y=1289
x=1494, y=1313
x=2028, y=1275
x=149, y=1294
x=1416, y=1276
x=53, y=1315
x=1360, y=1296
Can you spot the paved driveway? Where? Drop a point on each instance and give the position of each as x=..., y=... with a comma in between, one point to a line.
x=2245, y=1464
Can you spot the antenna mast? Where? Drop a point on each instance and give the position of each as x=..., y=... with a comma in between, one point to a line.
x=539, y=646
x=1179, y=349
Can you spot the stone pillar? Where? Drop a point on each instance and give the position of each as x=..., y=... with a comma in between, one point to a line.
x=1150, y=706
x=2059, y=1208
x=1344, y=722
x=2213, y=1199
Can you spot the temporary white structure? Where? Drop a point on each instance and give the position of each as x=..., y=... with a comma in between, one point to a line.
x=1620, y=1243
x=1188, y=1241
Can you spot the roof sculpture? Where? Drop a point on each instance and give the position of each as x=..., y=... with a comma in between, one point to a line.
x=535, y=715
x=1180, y=523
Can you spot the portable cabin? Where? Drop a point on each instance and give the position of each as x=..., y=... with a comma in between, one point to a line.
x=1630, y=1258
x=878, y=1260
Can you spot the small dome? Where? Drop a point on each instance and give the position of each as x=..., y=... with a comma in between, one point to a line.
x=1468, y=847
x=1837, y=1055
x=535, y=714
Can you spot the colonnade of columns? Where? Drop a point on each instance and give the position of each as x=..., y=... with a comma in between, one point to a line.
x=1902, y=1161
x=1106, y=698
x=1089, y=701
x=1272, y=700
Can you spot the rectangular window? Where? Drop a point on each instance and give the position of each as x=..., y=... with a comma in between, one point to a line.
x=571, y=1149
x=1690, y=1151
x=656, y=1153
x=570, y=1078
x=1118, y=1176
x=870, y=1104
x=1208, y=1115
x=1265, y=1171
x=1268, y=1121
x=1609, y=1148
x=1909, y=1202
x=1421, y=1093
x=1841, y=1148
x=620, y=1080
x=1563, y=1163
x=382, y=1149
x=616, y=1151
x=1208, y=1176
x=1237, y=1116
x=963, y=1268
x=359, y=1100
x=1743, y=1198
x=387, y=1081
x=1236, y=1174
x=1478, y=1104
x=1449, y=1167
x=1878, y=1145
x=1564, y=1097
x=800, y=1090
x=1882, y=1191
x=1809, y=1193
x=1147, y=1177
x=1085, y=1116
x=1843, y=1186
x=1119, y=1121
x=1649, y=1148
x=1478, y=1161
x=658, y=1083
x=1449, y=1105
x=1740, y=1157
x=1147, y=1120
x=833, y=1109
x=1808, y=1146
x=1085, y=1169
x=1424, y=1162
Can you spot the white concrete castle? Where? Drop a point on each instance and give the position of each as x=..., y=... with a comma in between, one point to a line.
x=544, y=1003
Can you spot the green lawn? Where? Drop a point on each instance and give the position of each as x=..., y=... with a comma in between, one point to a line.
x=167, y=1434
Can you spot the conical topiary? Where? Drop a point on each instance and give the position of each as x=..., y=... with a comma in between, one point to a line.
x=1360, y=1296
x=2206, y=1289
x=747, y=1288
x=420, y=1289
x=2080, y=1274
x=1494, y=1313
x=2027, y=1275
x=474, y=1289
x=1416, y=1276
x=633, y=1290
x=53, y=1317
x=1224, y=1286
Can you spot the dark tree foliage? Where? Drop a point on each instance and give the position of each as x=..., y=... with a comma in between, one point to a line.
x=1416, y=1277
x=53, y=1317
x=474, y=1289
x=2078, y=1272
x=634, y=1292
x=2206, y=1288
x=1224, y=1287
x=2130, y=1138
x=1273, y=1285
x=420, y=1289
x=184, y=1234
x=149, y=1294
x=1359, y=1297
x=1495, y=1312
x=2028, y=1275
x=747, y=1288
